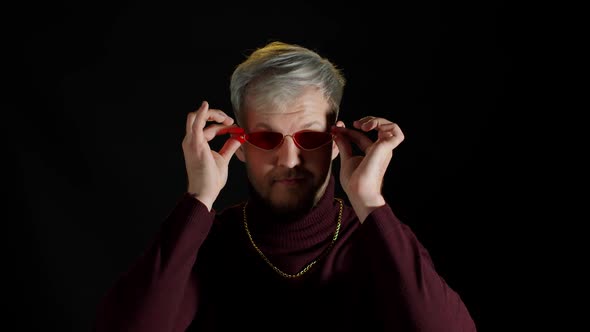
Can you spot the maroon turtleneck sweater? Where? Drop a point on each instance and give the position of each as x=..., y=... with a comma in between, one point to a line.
x=202, y=274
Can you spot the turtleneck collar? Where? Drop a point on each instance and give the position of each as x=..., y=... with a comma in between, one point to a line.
x=311, y=230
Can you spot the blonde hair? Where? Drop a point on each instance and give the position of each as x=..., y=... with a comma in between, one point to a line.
x=279, y=71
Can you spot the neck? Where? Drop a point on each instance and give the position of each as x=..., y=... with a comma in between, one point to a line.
x=264, y=210
x=286, y=215
x=275, y=233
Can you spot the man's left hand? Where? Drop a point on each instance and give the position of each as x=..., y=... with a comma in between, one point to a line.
x=361, y=177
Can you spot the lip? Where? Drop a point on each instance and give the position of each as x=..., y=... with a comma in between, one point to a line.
x=290, y=180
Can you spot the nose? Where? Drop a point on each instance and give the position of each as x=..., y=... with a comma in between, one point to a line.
x=289, y=154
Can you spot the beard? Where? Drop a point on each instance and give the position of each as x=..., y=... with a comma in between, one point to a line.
x=292, y=201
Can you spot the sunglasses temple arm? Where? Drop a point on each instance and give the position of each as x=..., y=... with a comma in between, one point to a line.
x=236, y=133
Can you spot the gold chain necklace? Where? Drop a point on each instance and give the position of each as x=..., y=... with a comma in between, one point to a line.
x=308, y=266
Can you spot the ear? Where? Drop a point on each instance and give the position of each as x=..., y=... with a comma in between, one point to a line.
x=335, y=150
x=240, y=153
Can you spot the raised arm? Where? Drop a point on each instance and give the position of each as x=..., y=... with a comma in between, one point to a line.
x=361, y=177
x=159, y=292
x=411, y=293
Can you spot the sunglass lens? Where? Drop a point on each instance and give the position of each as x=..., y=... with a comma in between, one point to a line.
x=312, y=139
x=267, y=140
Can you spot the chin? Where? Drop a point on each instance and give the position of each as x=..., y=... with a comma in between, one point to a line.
x=290, y=202
x=287, y=205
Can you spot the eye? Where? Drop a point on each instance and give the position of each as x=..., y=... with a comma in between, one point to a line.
x=266, y=140
x=309, y=140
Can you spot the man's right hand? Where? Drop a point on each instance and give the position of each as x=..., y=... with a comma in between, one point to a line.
x=207, y=170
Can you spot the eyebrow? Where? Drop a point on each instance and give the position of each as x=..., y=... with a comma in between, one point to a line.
x=267, y=127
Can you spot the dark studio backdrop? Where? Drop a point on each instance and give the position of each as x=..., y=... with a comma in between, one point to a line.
x=97, y=108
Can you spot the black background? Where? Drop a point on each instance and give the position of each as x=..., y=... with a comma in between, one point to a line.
x=96, y=108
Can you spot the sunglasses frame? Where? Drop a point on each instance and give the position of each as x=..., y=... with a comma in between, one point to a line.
x=240, y=134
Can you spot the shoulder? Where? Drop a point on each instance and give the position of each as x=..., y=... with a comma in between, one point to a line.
x=229, y=218
x=231, y=211
x=350, y=222
x=225, y=231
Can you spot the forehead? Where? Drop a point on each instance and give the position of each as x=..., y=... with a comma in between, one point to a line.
x=308, y=109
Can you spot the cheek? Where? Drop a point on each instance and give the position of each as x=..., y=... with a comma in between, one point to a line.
x=258, y=161
x=319, y=159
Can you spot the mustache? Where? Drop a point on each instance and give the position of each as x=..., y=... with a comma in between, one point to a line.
x=289, y=173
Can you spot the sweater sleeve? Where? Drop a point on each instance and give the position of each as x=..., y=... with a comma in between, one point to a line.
x=411, y=292
x=151, y=295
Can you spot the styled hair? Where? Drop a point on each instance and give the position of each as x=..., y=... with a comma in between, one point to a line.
x=278, y=72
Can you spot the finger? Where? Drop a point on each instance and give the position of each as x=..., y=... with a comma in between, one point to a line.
x=213, y=130
x=392, y=135
x=393, y=141
x=205, y=114
x=381, y=150
x=220, y=117
x=216, y=116
x=342, y=142
x=199, y=123
x=370, y=123
x=229, y=148
x=191, y=118
x=378, y=158
x=377, y=162
x=386, y=130
x=358, y=123
x=356, y=137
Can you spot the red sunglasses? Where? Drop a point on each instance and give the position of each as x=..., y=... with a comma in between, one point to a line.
x=268, y=140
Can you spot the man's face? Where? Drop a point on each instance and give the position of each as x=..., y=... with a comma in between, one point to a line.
x=288, y=178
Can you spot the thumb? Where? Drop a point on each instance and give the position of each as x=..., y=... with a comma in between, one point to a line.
x=229, y=148
x=342, y=142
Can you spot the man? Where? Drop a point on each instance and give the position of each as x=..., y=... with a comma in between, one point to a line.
x=292, y=256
